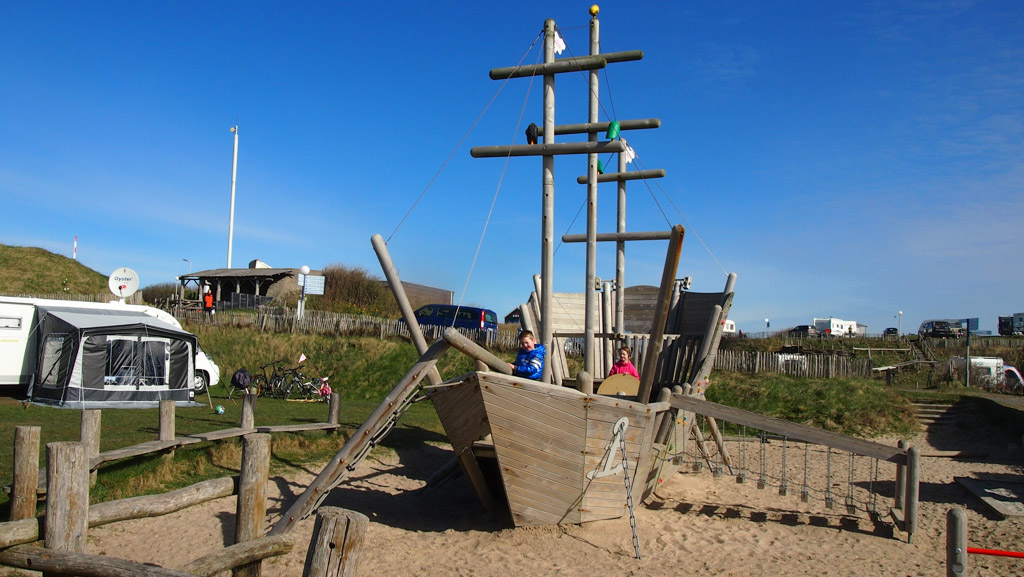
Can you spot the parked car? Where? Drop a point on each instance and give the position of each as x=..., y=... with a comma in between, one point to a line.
x=459, y=317
x=891, y=331
x=938, y=329
x=803, y=331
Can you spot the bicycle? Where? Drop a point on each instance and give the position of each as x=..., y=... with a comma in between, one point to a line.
x=315, y=389
x=264, y=382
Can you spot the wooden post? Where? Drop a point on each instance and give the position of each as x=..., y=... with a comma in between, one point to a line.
x=334, y=415
x=956, y=543
x=665, y=419
x=248, y=410
x=90, y=437
x=166, y=420
x=67, y=505
x=26, y=473
x=252, y=495
x=901, y=478
x=585, y=383
x=913, y=479
x=335, y=545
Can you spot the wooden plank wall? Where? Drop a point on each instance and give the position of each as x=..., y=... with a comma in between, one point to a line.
x=529, y=427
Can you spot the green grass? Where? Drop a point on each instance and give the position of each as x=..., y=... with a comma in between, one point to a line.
x=854, y=407
x=30, y=270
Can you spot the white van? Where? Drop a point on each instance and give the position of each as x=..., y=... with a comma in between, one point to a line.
x=18, y=320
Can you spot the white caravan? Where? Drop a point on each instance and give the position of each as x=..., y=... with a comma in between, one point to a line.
x=19, y=346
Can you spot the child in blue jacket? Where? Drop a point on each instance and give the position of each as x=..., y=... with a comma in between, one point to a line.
x=530, y=360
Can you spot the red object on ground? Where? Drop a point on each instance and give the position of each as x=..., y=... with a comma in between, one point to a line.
x=996, y=552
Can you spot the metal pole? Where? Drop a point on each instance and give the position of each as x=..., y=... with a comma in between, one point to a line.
x=967, y=355
x=234, y=172
x=620, y=252
x=547, y=256
x=589, y=362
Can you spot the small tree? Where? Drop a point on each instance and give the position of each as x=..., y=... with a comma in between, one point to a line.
x=353, y=290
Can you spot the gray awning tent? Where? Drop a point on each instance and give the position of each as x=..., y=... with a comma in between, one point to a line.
x=90, y=358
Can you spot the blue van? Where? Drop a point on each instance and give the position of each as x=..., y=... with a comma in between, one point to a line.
x=460, y=317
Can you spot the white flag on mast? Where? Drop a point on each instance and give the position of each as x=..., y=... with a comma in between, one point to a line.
x=559, y=43
x=629, y=154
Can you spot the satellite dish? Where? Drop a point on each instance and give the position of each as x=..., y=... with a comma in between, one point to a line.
x=123, y=282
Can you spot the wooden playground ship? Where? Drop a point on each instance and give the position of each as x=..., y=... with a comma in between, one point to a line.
x=554, y=451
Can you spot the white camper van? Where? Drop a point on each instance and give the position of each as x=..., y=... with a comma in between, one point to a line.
x=990, y=372
x=19, y=336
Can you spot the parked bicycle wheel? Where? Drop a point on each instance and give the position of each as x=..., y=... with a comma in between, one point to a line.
x=259, y=385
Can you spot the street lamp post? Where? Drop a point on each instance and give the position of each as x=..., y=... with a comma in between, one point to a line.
x=900, y=329
x=189, y=265
x=767, y=327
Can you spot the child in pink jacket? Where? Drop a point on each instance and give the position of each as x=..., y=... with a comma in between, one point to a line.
x=624, y=365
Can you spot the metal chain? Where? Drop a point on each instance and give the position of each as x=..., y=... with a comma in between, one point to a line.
x=784, y=486
x=761, y=483
x=829, y=501
x=804, y=496
x=629, y=494
x=851, y=506
x=871, y=487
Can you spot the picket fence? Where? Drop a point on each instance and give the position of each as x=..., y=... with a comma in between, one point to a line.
x=283, y=320
x=798, y=365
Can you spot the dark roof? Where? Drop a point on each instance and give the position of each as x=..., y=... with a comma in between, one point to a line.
x=243, y=273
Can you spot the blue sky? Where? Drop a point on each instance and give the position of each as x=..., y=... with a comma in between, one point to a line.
x=846, y=159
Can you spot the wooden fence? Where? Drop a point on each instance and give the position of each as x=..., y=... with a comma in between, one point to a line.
x=283, y=320
x=799, y=365
x=333, y=549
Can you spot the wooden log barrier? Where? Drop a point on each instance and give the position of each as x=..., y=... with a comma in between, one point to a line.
x=166, y=420
x=90, y=437
x=26, y=473
x=334, y=413
x=67, y=508
x=156, y=505
x=53, y=562
x=240, y=554
x=20, y=531
x=252, y=495
x=336, y=542
x=956, y=543
x=912, y=490
x=901, y=478
x=248, y=411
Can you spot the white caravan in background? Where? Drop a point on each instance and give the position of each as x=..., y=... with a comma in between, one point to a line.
x=18, y=346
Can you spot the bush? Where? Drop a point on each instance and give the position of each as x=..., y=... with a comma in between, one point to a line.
x=353, y=290
x=155, y=292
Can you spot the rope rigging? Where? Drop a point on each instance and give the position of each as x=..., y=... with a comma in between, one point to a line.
x=461, y=140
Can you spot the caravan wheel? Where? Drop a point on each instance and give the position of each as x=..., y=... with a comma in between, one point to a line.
x=200, y=382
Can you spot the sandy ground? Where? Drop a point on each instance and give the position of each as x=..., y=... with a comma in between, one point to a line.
x=695, y=524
